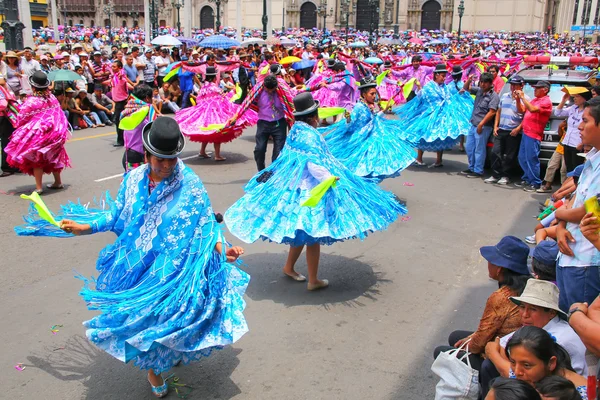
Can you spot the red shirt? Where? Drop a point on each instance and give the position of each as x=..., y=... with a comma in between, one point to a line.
x=535, y=123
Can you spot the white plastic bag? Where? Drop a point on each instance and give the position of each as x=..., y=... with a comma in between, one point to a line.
x=458, y=381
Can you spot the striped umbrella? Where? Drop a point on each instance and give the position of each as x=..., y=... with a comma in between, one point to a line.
x=219, y=42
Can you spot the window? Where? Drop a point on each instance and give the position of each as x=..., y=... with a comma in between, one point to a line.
x=70, y=22
x=575, y=12
x=124, y=24
x=92, y=23
x=135, y=24
x=80, y=22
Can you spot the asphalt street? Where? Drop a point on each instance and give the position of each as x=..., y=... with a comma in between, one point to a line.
x=393, y=297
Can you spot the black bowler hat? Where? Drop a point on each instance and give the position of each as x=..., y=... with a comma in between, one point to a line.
x=457, y=70
x=330, y=62
x=305, y=104
x=163, y=138
x=440, y=69
x=367, y=82
x=387, y=64
x=39, y=80
x=275, y=69
x=211, y=71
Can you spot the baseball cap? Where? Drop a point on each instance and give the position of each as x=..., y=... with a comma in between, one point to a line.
x=542, y=84
x=546, y=252
x=148, y=50
x=97, y=53
x=576, y=172
x=517, y=80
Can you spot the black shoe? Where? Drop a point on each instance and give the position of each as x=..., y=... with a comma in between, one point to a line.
x=474, y=175
x=522, y=184
x=530, y=188
x=466, y=172
x=117, y=144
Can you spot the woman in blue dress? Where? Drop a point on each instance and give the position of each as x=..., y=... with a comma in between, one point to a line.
x=166, y=288
x=433, y=119
x=275, y=205
x=369, y=144
x=464, y=101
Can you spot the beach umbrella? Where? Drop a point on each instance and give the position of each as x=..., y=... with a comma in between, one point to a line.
x=358, y=44
x=219, y=42
x=416, y=41
x=373, y=60
x=285, y=42
x=64, y=75
x=272, y=41
x=166, y=40
x=289, y=60
x=253, y=41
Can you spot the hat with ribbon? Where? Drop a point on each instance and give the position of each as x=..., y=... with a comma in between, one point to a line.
x=39, y=80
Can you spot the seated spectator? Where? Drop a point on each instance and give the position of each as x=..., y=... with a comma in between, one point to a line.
x=507, y=264
x=175, y=92
x=102, y=105
x=556, y=387
x=166, y=98
x=511, y=389
x=543, y=261
x=85, y=105
x=538, y=306
x=534, y=355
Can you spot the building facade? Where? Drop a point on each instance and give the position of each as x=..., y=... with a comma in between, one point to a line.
x=365, y=15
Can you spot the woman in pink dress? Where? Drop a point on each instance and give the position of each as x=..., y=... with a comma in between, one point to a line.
x=37, y=146
x=212, y=108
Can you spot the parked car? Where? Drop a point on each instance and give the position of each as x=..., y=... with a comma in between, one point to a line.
x=557, y=79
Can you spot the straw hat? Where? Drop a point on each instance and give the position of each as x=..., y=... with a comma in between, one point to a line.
x=11, y=54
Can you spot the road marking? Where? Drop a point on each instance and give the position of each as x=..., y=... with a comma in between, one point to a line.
x=92, y=137
x=121, y=175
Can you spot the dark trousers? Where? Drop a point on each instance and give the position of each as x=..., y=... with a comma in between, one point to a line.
x=265, y=129
x=572, y=160
x=475, y=359
x=119, y=107
x=411, y=96
x=487, y=374
x=132, y=159
x=6, y=129
x=505, y=153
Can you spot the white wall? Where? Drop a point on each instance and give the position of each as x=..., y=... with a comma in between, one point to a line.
x=496, y=15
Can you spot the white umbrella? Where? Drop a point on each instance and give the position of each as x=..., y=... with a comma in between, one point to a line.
x=166, y=40
x=253, y=41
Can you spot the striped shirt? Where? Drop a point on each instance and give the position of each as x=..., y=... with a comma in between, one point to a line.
x=510, y=118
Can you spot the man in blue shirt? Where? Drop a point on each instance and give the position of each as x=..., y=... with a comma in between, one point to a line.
x=186, y=84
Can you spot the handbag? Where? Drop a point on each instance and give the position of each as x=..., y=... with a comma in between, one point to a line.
x=458, y=381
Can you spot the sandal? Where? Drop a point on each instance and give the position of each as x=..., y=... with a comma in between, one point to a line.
x=316, y=286
x=220, y=159
x=52, y=187
x=6, y=173
x=207, y=155
x=418, y=163
x=39, y=191
x=160, y=391
x=435, y=166
x=297, y=277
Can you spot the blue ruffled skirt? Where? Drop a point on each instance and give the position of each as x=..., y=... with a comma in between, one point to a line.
x=374, y=150
x=272, y=210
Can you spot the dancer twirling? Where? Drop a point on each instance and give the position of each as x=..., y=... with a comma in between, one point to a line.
x=369, y=144
x=166, y=288
x=213, y=108
x=37, y=146
x=433, y=119
x=274, y=207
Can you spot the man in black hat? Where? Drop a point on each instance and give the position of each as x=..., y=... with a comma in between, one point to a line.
x=537, y=114
x=507, y=134
x=419, y=72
